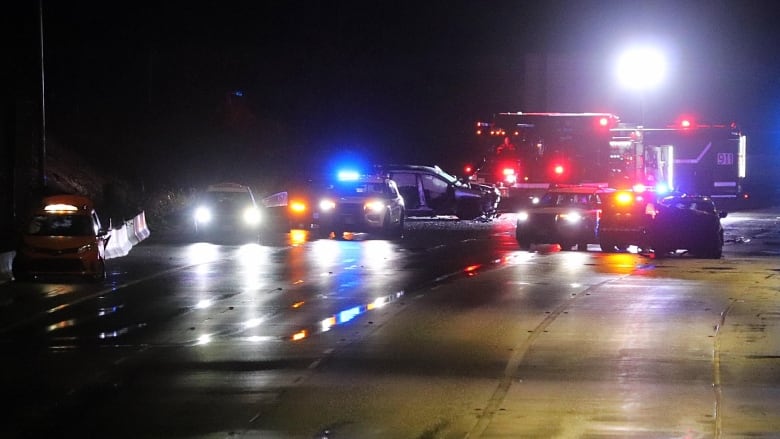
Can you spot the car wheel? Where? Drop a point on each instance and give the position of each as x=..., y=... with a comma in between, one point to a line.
x=523, y=242
x=608, y=246
x=468, y=210
x=19, y=273
x=399, y=228
x=711, y=250
x=100, y=271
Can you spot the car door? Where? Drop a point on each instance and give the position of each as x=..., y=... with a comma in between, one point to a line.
x=409, y=188
x=438, y=194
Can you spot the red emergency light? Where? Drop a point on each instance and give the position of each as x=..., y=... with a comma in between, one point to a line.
x=686, y=122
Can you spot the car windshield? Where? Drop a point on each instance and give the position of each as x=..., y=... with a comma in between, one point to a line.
x=563, y=199
x=360, y=189
x=61, y=225
x=449, y=177
x=698, y=204
x=227, y=199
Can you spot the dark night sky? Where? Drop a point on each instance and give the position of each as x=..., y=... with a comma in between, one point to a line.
x=398, y=80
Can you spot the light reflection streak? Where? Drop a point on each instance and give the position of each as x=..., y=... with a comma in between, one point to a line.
x=106, y=311
x=325, y=252
x=61, y=325
x=253, y=323
x=202, y=252
x=113, y=334
x=619, y=263
x=376, y=253
x=298, y=237
x=259, y=338
x=351, y=313
x=204, y=303
x=575, y=261
x=59, y=290
x=204, y=339
x=471, y=270
x=57, y=308
x=252, y=258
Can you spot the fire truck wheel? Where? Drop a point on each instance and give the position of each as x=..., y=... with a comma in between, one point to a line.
x=582, y=246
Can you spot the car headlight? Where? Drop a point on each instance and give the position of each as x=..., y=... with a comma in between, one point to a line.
x=522, y=216
x=374, y=206
x=252, y=216
x=203, y=215
x=327, y=205
x=571, y=217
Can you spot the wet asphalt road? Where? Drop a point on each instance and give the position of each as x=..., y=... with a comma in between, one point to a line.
x=451, y=332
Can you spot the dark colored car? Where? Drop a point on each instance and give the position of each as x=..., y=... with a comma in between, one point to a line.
x=361, y=204
x=689, y=223
x=429, y=191
x=626, y=217
x=226, y=211
x=565, y=215
x=63, y=237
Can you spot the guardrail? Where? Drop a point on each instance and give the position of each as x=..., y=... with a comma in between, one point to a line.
x=122, y=240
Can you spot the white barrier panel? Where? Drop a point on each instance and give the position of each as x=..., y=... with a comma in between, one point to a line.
x=278, y=199
x=118, y=244
x=130, y=231
x=140, y=229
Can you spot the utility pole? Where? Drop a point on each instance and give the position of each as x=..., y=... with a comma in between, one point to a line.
x=42, y=151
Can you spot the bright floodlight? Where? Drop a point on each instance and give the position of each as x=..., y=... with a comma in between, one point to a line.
x=641, y=69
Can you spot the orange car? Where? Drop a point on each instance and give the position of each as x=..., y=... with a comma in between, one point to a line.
x=63, y=237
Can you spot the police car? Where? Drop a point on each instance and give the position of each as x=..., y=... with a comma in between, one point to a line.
x=226, y=211
x=361, y=203
x=566, y=215
x=63, y=237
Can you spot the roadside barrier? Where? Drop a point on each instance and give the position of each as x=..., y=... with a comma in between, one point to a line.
x=126, y=237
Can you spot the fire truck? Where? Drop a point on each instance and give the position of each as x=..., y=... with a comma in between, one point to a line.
x=524, y=154
x=688, y=157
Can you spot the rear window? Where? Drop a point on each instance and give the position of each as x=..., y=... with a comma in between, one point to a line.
x=567, y=199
